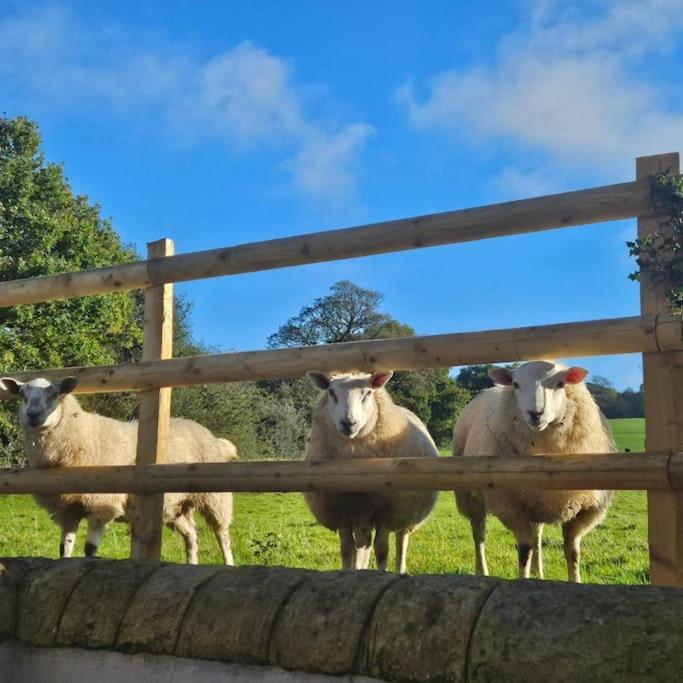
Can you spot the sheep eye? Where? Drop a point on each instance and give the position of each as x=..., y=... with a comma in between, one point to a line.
x=560, y=385
x=365, y=396
x=515, y=385
x=332, y=394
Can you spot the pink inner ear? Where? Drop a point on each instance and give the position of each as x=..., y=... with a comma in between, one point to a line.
x=379, y=379
x=575, y=375
x=501, y=376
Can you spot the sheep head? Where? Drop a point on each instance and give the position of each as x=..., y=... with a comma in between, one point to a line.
x=41, y=400
x=540, y=390
x=351, y=405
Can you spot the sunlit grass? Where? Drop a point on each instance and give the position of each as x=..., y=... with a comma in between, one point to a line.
x=277, y=529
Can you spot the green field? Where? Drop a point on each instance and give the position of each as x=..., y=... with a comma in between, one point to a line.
x=629, y=433
x=276, y=529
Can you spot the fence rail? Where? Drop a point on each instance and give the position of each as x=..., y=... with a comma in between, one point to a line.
x=597, y=337
x=656, y=334
x=608, y=203
x=631, y=471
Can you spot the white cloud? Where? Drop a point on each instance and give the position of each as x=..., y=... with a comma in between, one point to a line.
x=514, y=183
x=326, y=159
x=243, y=97
x=568, y=84
x=247, y=93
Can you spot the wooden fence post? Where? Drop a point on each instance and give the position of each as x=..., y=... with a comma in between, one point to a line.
x=663, y=385
x=155, y=409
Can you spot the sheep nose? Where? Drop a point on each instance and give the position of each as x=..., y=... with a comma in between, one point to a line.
x=34, y=417
x=535, y=416
x=347, y=424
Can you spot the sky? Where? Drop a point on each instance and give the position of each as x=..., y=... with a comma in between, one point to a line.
x=222, y=123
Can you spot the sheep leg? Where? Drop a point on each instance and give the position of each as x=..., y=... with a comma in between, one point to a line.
x=472, y=506
x=573, y=531
x=96, y=528
x=382, y=547
x=219, y=522
x=347, y=548
x=362, y=542
x=402, y=538
x=185, y=526
x=223, y=537
x=537, y=550
x=514, y=517
x=68, y=521
x=479, y=534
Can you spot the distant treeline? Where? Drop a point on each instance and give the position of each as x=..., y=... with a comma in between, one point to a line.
x=627, y=403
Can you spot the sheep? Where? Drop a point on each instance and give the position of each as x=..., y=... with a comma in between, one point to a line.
x=538, y=408
x=228, y=449
x=355, y=417
x=59, y=433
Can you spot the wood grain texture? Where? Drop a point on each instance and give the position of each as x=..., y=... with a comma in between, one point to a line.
x=663, y=383
x=597, y=337
x=582, y=207
x=623, y=471
x=146, y=512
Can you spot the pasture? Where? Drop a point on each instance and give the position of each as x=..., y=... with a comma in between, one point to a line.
x=276, y=529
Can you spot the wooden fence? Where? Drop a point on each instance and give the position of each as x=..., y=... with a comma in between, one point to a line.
x=656, y=334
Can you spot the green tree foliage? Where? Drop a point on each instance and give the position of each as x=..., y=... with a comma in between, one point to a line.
x=613, y=403
x=45, y=229
x=475, y=378
x=347, y=313
x=351, y=313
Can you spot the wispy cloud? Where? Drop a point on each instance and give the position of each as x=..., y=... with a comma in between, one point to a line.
x=573, y=84
x=244, y=97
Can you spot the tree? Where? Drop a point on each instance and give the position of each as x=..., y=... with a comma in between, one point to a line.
x=613, y=403
x=351, y=313
x=46, y=229
x=475, y=378
x=348, y=313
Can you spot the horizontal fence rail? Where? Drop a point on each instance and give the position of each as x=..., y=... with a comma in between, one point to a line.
x=582, y=207
x=630, y=471
x=594, y=338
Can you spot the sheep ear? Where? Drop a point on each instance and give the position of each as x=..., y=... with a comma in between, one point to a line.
x=575, y=375
x=501, y=376
x=318, y=379
x=68, y=384
x=11, y=385
x=379, y=379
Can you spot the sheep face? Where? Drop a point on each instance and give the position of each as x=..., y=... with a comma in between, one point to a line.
x=350, y=404
x=540, y=390
x=41, y=405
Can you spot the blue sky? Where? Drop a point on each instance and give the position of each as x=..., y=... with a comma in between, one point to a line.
x=220, y=123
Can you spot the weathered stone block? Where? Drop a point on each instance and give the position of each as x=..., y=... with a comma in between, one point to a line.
x=323, y=624
x=153, y=619
x=422, y=626
x=43, y=598
x=12, y=573
x=542, y=630
x=232, y=616
x=94, y=612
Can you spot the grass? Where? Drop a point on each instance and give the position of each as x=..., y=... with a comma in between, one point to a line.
x=277, y=529
x=629, y=433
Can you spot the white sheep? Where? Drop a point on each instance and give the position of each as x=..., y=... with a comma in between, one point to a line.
x=538, y=408
x=59, y=433
x=356, y=418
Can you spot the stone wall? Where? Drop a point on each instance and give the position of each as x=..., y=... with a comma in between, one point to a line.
x=424, y=628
